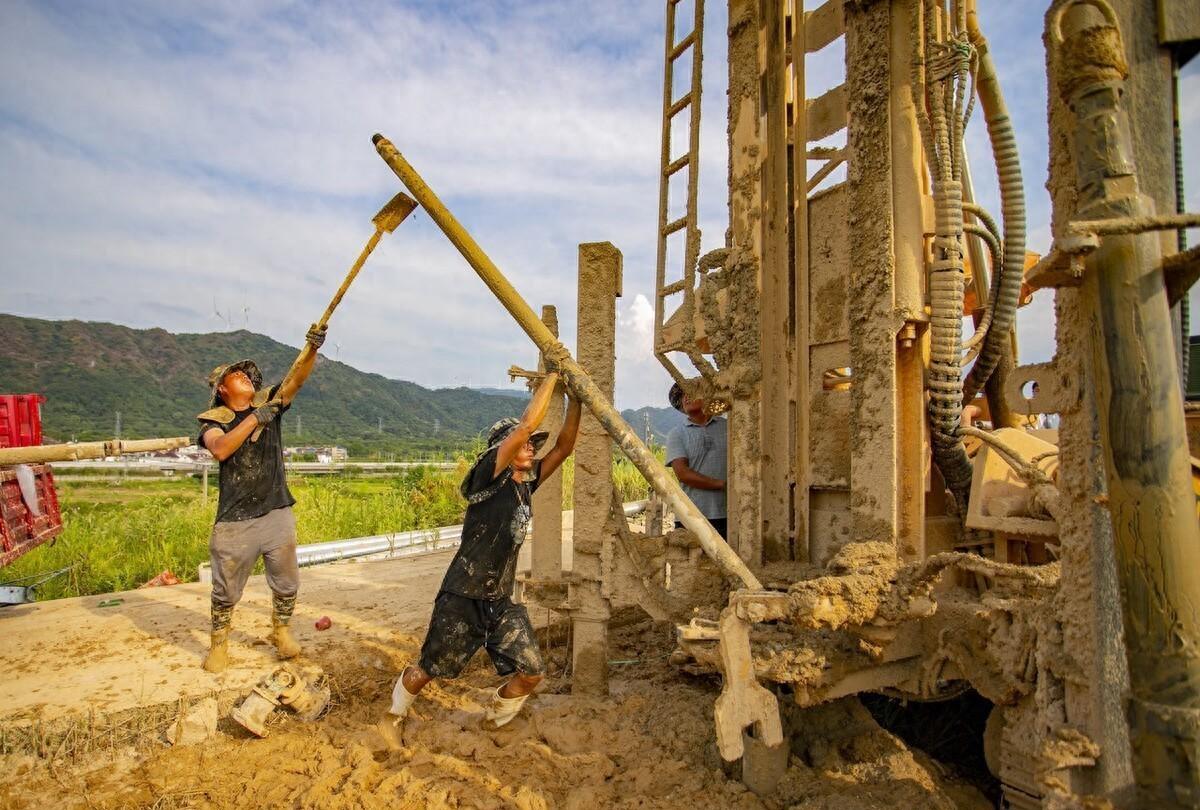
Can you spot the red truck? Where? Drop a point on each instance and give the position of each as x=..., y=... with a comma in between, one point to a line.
x=29, y=512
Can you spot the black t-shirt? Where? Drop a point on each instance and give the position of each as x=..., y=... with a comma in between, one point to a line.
x=498, y=513
x=253, y=481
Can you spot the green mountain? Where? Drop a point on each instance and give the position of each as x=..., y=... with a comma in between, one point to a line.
x=519, y=393
x=662, y=421
x=90, y=372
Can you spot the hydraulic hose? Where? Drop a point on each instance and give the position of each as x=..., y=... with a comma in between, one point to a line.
x=939, y=88
x=1012, y=206
x=993, y=243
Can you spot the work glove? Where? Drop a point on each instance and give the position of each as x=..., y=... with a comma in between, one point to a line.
x=315, y=336
x=554, y=356
x=265, y=413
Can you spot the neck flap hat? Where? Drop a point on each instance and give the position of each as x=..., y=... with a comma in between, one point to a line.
x=216, y=407
x=497, y=433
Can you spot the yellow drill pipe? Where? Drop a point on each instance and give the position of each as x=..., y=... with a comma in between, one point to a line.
x=74, y=451
x=575, y=378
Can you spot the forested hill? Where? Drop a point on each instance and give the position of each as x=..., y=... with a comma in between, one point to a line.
x=661, y=420
x=156, y=381
x=89, y=372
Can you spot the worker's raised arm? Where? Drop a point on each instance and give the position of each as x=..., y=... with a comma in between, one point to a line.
x=303, y=365
x=565, y=444
x=535, y=412
x=222, y=445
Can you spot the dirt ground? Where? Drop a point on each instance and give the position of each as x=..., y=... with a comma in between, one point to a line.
x=649, y=745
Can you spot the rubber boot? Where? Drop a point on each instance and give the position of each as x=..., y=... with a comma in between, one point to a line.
x=402, y=699
x=390, y=725
x=281, y=636
x=501, y=710
x=218, y=651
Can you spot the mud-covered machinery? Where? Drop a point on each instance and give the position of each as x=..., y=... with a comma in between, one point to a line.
x=916, y=527
x=901, y=519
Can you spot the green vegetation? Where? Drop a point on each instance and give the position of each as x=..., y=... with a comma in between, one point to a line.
x=90, y=372
x=118, y=533
x=156, y=380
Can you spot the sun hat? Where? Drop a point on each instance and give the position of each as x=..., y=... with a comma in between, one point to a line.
x=217, y=375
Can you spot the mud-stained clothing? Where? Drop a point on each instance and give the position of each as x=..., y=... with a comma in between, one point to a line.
x=253, y=481
x=235, y=546
x=474, y=608
x=499, y=510
x=460, y=626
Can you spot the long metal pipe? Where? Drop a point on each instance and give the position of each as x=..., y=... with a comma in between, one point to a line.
x=397, y=543
x=74, y=451
x=1142, y=431
x=575, y=378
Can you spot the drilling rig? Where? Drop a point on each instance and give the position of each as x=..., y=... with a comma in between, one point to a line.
x=915, y=531
x=902, y=518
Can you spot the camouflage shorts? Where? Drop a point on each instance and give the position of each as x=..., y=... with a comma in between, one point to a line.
x=461, y=625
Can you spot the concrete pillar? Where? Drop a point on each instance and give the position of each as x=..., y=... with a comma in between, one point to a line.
x=546, y=554
x=744, y=490
x=599, y=287
x=874, y=324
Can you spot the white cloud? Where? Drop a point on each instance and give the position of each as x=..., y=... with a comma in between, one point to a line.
x=159, y=157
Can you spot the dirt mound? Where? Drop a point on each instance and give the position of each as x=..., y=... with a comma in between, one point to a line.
x=649, y=745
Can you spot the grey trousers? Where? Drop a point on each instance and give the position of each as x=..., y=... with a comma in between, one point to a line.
x=235, y=547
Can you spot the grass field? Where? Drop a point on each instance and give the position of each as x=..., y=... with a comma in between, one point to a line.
x=118, y=533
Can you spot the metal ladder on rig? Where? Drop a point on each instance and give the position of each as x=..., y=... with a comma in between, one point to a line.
x=675, y=331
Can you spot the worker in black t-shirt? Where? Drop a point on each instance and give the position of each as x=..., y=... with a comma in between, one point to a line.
x=474, y=607
x=241, y=429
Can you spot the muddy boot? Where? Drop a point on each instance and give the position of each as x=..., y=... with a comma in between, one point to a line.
x=218, y=651
x=390, y=726
x=501, y=710
x=281, y=636
x=402, y=699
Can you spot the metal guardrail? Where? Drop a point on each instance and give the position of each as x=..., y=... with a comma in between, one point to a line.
x=400, y=544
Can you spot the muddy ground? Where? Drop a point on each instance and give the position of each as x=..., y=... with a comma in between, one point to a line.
x=650, y=745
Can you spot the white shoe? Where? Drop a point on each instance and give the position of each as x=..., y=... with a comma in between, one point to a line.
x=501, y=710
x=402, y=699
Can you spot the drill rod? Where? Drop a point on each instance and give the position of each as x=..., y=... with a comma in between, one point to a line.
x=573, y=375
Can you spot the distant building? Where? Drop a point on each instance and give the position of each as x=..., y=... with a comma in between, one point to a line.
x=331, y=455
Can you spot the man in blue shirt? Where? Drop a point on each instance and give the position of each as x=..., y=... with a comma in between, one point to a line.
x=696, y=451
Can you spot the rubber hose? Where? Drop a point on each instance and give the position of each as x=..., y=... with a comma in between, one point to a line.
x=945, y=358
x=997, y=254
x=1012, y=206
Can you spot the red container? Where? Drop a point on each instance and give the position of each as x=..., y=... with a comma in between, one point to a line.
x=20, y=530
x=20, y=419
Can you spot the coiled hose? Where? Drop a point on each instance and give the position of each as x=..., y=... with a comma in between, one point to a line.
x=988, y=237
x=942, y=118
x=1012, y=205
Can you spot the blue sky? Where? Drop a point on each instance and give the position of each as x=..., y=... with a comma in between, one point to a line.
x=200, y=166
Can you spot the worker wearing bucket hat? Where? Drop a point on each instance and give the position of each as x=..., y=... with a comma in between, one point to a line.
x=474, y=608
x=241, y=429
